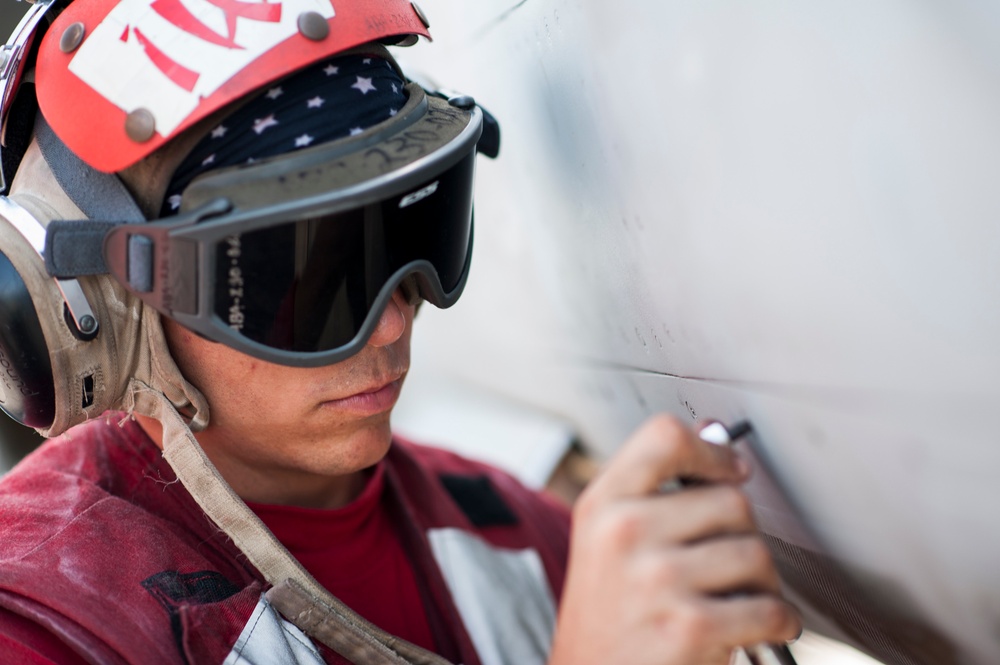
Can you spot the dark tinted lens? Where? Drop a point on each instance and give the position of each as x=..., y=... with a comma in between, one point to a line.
x=309, y=285
x=433, y=222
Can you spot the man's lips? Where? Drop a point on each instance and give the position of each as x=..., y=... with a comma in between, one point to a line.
x=369, y=401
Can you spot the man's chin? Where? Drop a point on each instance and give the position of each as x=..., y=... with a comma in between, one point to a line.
x=363, y=449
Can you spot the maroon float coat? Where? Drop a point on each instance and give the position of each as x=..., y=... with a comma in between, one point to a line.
x=103, y=549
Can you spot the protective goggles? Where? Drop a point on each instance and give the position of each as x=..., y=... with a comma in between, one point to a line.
x=293, y=259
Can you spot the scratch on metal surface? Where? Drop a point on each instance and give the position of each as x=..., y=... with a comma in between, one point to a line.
x=850, y=397
x=500, y=18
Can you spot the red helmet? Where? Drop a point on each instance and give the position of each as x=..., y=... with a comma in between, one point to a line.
x=116, y=79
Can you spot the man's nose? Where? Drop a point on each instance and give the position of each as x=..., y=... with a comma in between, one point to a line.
x=392, y=323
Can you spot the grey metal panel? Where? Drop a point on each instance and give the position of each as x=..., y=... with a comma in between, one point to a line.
x=783, y=211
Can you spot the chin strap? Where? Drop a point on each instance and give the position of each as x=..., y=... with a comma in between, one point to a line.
x=295, y=593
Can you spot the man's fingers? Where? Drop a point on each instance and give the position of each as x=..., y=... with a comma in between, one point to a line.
x=724, y=566
x=707, y=630
x=656, y=576
x=662, y=450
x=677, y=518
x=742, y=621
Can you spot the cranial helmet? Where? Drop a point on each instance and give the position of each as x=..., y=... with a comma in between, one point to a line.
x=131, y=192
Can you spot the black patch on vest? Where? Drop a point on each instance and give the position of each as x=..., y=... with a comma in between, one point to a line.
x=478, y=500
x=173, y=589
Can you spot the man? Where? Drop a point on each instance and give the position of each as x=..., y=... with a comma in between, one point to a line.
x=236, y=494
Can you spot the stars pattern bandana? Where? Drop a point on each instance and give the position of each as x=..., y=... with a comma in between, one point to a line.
x=332, y=100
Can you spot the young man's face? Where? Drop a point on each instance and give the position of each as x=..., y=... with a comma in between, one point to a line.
x=281, y=434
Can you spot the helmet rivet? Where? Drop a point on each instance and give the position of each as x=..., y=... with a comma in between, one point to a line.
x=421, y=15
x=72, y=37
x=313, y=26
x=4, y=58
x=88, y=324
x=140, y=125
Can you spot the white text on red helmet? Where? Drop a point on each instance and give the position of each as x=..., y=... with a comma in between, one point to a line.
x=167, y=55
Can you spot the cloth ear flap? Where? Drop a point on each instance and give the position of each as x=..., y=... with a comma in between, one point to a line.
x=89, y=376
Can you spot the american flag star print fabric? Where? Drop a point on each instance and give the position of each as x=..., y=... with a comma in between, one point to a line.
x=331, y=100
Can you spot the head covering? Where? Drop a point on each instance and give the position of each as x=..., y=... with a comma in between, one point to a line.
x=127, y=366
x=330, y=100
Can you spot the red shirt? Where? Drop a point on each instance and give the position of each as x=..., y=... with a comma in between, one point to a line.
x=356, y=554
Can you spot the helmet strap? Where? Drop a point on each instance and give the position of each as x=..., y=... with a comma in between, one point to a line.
x=98, y=195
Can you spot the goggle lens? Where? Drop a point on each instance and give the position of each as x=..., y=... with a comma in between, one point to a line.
x=310, y=285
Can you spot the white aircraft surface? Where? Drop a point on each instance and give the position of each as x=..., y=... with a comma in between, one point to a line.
x=785, y=212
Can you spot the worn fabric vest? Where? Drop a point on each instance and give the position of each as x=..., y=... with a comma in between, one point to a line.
x=102, y=547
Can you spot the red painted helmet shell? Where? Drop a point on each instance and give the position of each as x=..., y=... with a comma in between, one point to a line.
x=160, y=66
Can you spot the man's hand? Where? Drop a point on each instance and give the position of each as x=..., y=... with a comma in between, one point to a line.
x=677, y=578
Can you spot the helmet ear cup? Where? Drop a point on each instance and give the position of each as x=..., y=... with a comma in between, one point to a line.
x=27, y=388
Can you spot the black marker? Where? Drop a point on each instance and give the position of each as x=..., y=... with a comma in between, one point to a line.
x=720, y=435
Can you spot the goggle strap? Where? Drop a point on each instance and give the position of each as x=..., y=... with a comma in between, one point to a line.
x=98, y=195
x=140, y=263
x=76, y=247
x=489, y=142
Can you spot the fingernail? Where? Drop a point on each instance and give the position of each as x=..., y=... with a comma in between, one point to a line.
x=802, y=624
x=797, y=617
